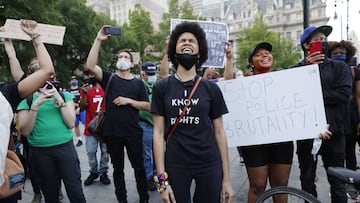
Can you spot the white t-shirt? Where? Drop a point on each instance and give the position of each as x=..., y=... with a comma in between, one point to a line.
x=6, y=117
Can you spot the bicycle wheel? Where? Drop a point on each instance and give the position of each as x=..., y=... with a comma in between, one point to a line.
x=294, y=195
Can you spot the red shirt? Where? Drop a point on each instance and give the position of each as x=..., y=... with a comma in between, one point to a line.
x=95, y=100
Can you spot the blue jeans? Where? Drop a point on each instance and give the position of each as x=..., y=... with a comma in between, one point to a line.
x=91, y=149
x=56, y=163
x=148, y=148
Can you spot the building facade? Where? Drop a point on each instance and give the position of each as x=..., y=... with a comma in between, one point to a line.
x=119, y=10
x=99, y=6
x=283, y=16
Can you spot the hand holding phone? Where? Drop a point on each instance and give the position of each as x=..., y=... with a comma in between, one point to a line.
x=315, y=46
x=112, y=30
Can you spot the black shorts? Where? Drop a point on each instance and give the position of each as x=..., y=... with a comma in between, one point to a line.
x=261, y=155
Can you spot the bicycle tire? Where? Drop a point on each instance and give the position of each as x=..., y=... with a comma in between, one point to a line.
x=300, y=194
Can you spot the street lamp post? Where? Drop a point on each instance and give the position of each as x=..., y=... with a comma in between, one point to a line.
x=347, y=20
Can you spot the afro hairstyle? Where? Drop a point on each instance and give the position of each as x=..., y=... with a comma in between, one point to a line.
x=198, y=32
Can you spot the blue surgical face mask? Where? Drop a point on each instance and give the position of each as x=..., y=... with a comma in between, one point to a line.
x=151, y=79
x=74, y=83
x=340, y=57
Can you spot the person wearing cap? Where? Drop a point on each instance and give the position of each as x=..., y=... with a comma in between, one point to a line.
x=126, y=95
x=336, y=85
x=149, y=77
x=196, y=147
x=266, y=161
x=80, y=114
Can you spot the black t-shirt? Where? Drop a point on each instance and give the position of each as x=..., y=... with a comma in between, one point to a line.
x=11, y=93
x=193, y=143
x=356, y=77
x=122, y=120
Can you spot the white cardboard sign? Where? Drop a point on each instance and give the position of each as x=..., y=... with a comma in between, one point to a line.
x=274, y=107
x=217, y=34
x=50, y=34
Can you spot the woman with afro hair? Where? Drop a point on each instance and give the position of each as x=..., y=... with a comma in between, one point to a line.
x=195, y=145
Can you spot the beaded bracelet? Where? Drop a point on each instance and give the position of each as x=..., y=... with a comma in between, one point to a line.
x=161, y=177
x=161, y=181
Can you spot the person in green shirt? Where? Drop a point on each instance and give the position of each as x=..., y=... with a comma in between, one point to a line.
x=148, y=74
x=48, y=123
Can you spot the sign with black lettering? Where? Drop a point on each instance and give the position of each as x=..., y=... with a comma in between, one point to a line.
x=217, y=34
x=274, y=107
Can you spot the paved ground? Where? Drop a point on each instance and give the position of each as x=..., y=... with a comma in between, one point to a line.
x=99, y=193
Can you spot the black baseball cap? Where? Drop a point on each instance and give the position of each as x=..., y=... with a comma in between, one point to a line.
x=262, y=45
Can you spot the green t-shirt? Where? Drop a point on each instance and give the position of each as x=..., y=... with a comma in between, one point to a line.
x=49, y=129
x=146, y=116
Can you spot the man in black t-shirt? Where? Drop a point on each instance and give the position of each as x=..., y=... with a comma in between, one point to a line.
x=125, y=96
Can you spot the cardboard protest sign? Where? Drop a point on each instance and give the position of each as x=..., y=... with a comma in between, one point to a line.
x=50, y=34
x=217, y=34
x=274, y=107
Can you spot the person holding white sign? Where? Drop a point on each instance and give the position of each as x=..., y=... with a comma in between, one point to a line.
x=336, y=85
x=196, y=147
x=15, y=92
x=267, y=161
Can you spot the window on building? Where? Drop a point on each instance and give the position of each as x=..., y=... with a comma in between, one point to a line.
x=288, y=35
x=298, y=33
x=287, y=18
x=249, y=13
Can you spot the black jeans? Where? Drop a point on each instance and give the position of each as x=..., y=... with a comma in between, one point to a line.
x=134, y=149
x=333, y=154
x=53, y=164
x=208, y=181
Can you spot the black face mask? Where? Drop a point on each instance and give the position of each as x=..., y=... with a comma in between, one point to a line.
x=92, y=81
x=187, y=60
x=325, y=47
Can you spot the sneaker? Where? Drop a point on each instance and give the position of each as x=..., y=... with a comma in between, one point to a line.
x=89, y=180
x=352, y=192
x=104, y=179
x=151, y=185
x=79, y=143
x=37, y=198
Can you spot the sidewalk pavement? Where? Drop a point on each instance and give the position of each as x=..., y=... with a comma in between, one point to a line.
x=99, y=193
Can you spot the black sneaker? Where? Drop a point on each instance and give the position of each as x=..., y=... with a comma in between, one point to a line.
x=89, y=180
x=79, y=143
x=104, y=179
x=151, y=185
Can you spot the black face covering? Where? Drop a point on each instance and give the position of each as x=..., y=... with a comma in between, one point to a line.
x=92, y=81
x=187, y=60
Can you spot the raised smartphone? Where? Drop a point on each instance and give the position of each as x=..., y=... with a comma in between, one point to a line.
x=315, y=46
x=113, y=30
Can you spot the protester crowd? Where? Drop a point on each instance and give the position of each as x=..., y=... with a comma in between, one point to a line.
x=170, y=142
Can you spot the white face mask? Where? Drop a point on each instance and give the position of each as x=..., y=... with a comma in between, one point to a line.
x=123, y=64
x=151, y=79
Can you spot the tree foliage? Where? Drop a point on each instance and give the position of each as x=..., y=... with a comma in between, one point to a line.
x=284, y=51
x=82, y=25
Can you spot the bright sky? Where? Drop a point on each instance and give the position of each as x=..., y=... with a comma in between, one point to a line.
x=341, y=10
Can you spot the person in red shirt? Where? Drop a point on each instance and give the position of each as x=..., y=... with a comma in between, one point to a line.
x=92, y=101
